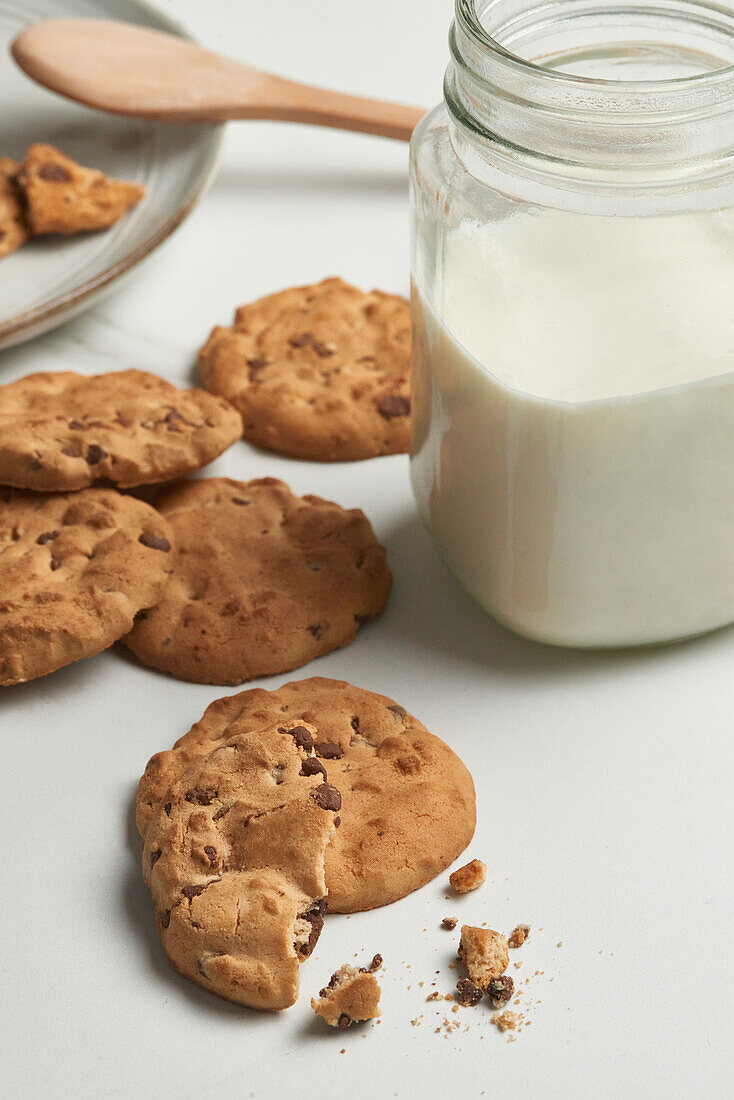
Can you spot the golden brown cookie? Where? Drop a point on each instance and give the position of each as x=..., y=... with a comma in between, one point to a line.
x=74, y=570
x=318, y=372
x=263, y=581
x=234, y=860
x=13, y=230
x=408, y=806
x=351, y=996
x=61, y=431
x=61, y=196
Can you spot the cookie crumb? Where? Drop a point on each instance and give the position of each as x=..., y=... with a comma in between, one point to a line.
x=468, y=994
x=469, y=877
x=505, y=1021
x=435, y=996
x=518, y=935
x=449, y=923
x=351, y=996
x=484, y=953
x=500, y=990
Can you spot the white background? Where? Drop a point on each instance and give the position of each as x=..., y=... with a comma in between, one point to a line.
x=604, y=780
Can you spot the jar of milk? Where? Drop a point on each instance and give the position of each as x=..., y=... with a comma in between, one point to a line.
x=573, y=307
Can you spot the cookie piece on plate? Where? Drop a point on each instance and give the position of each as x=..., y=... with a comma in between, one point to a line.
x=234, y=860
x=74, y=570
x=62, y=196
x=263, y=581
x=318, y=372
x=60, y=430
x=408, y=805
x=351, y=996
x=13, y=230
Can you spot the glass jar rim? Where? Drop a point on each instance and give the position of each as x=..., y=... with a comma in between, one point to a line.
x=467, y=17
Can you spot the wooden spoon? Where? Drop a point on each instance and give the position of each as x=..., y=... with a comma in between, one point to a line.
x=131, y=70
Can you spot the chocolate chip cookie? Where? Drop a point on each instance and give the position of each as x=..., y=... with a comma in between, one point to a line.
x=13, y=230
x=408, y=807
x=318, y=372
x=234, y=859
x=62, y=431
x=61, y=196
x=74, y=570
x=263, y=581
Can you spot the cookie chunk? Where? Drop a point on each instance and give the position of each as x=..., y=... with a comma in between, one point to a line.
x=351, y=996
x=63, y=197
x=263, y=582
x=13, y=230
x=469, y=877
x=61, y=431
x=318, y=372
x=235, y=862
x=74, y=570
x=484, y=953
x=408, y=806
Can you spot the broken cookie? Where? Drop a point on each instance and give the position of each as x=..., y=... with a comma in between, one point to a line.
x=469, y=877
x=351, y=996
x=61, y=196
x=484, y=953
x=235, y=862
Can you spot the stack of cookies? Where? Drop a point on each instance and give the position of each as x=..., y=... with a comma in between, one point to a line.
x=276, y=804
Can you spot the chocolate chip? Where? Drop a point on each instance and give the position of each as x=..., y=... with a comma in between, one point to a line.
x=240, y=500
x=55, y=564
x=500, y=990
x=55, y=173
x=76, y=425
x=323, y=350
x=211, y=852
x=344, y=1021
x=47, y=536
x=315, y=917
x=337, y=822
x=449, y=923
x=376, y=963
x=393, y=406
x=201, y=797
x=257, y=363
x=317, y=629
x=165, y=918
x=355, y=724
x=312, y=766
x=167, y=808
x=468, y=994
x=193, y=891
x=155, y=856
x=154, y=543
x=300, y=735
x=398, y=710
x=327, y=797
x=95, y=454
x=221, y=812
x=301, y=341
x=328, y=750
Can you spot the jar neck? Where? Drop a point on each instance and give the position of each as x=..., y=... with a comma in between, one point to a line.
x=618, y=92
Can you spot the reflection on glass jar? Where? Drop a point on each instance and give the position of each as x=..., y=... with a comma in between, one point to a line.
x=573, y=280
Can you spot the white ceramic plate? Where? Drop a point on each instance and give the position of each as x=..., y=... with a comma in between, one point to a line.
x=51, y=279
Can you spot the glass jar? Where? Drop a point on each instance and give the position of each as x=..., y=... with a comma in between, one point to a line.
x=573, y=314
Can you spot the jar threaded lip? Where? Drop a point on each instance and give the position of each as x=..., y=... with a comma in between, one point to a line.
x=469, y=20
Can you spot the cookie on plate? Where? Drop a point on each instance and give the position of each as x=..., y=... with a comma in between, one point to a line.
x=62, y=196
x=74, y=570
x=408, y=807
x=263, y=581
x=318, y=372
x=61, y=431
x=13, y=230
x=234, y=860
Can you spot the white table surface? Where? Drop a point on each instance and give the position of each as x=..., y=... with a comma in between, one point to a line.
x=604, y=781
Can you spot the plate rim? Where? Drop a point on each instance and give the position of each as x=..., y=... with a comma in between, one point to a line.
x=45, y=314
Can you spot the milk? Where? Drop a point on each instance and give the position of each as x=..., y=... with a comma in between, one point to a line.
x=574, y=411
